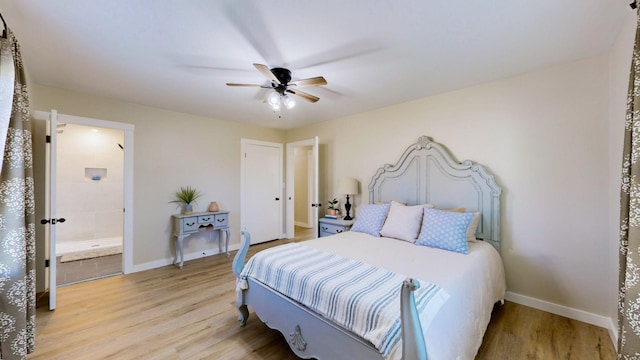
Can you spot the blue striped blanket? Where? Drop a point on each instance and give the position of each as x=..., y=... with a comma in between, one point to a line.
x=362, y=298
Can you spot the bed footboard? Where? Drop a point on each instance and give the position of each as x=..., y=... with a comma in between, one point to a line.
x=237, y=266
x=413, y=345
x=308, y=333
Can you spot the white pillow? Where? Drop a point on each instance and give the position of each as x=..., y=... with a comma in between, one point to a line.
x=473, y=226
x=403, y=222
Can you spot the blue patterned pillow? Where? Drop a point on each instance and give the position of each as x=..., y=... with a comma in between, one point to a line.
x=445, y=230
x=371, y=218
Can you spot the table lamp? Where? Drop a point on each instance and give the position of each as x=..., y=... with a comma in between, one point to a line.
x=348, y=186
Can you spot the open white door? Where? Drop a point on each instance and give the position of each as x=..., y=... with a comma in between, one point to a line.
x=313, y=201
x=50, y=205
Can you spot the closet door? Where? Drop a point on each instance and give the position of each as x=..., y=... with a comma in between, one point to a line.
x=261, y=190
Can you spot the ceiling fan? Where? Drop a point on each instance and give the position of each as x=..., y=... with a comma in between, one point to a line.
x=280, y=82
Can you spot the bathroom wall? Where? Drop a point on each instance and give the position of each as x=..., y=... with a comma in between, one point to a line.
x=90, y=200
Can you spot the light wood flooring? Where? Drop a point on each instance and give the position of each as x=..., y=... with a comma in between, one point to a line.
x=168, y=313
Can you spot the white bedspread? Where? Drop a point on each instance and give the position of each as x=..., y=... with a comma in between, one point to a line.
x=474, y=283
x=361, y=298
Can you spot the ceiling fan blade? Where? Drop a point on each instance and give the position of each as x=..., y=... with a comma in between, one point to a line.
x=304, y=95
x=342, y=52
x=264, y=69
x=248, y=85
x=251, y=22
x=315, y=81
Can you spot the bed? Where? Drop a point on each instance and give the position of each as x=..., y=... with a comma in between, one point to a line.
x=424, y=251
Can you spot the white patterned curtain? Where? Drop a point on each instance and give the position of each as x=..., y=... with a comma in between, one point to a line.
x=17, y=227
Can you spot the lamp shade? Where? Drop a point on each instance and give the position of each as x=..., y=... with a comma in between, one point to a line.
x=348, y=186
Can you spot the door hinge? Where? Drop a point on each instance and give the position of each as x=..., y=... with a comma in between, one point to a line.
x=46, y=263
x=48, y=139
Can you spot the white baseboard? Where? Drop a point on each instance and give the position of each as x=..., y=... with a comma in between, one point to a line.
x=187, y=257
x=580, y=315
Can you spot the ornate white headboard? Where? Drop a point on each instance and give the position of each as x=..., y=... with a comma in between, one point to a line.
x=427, y=173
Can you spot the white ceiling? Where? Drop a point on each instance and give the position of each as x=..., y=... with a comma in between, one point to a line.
x=178, y=55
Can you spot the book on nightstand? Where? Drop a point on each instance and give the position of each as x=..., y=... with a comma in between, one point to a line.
x=333, y=217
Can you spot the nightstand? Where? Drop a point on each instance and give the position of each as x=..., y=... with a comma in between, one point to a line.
x=334, y=226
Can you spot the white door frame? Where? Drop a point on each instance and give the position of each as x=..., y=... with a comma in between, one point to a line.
x=290, y=218
x=128, y=129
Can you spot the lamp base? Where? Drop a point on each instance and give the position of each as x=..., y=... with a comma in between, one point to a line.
x=347, y=208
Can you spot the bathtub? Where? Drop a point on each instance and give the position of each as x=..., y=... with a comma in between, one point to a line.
x=69, y=247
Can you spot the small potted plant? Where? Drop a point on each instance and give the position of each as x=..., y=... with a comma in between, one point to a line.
x=333, y=207
x=186, y=196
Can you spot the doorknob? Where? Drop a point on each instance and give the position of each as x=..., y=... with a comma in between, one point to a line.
x=52, y=221
x=277, y=199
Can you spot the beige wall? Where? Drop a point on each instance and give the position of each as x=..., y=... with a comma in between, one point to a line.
x=543, y=135
x=171, y=150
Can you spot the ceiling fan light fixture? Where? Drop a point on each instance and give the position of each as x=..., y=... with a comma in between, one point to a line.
x=289, y=102
x=279, y=83
x=274, y=100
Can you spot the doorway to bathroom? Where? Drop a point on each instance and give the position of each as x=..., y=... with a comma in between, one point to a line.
x=52, y=222
x=89, y=188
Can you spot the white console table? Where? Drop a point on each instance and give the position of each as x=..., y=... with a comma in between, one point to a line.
x=189, y=224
